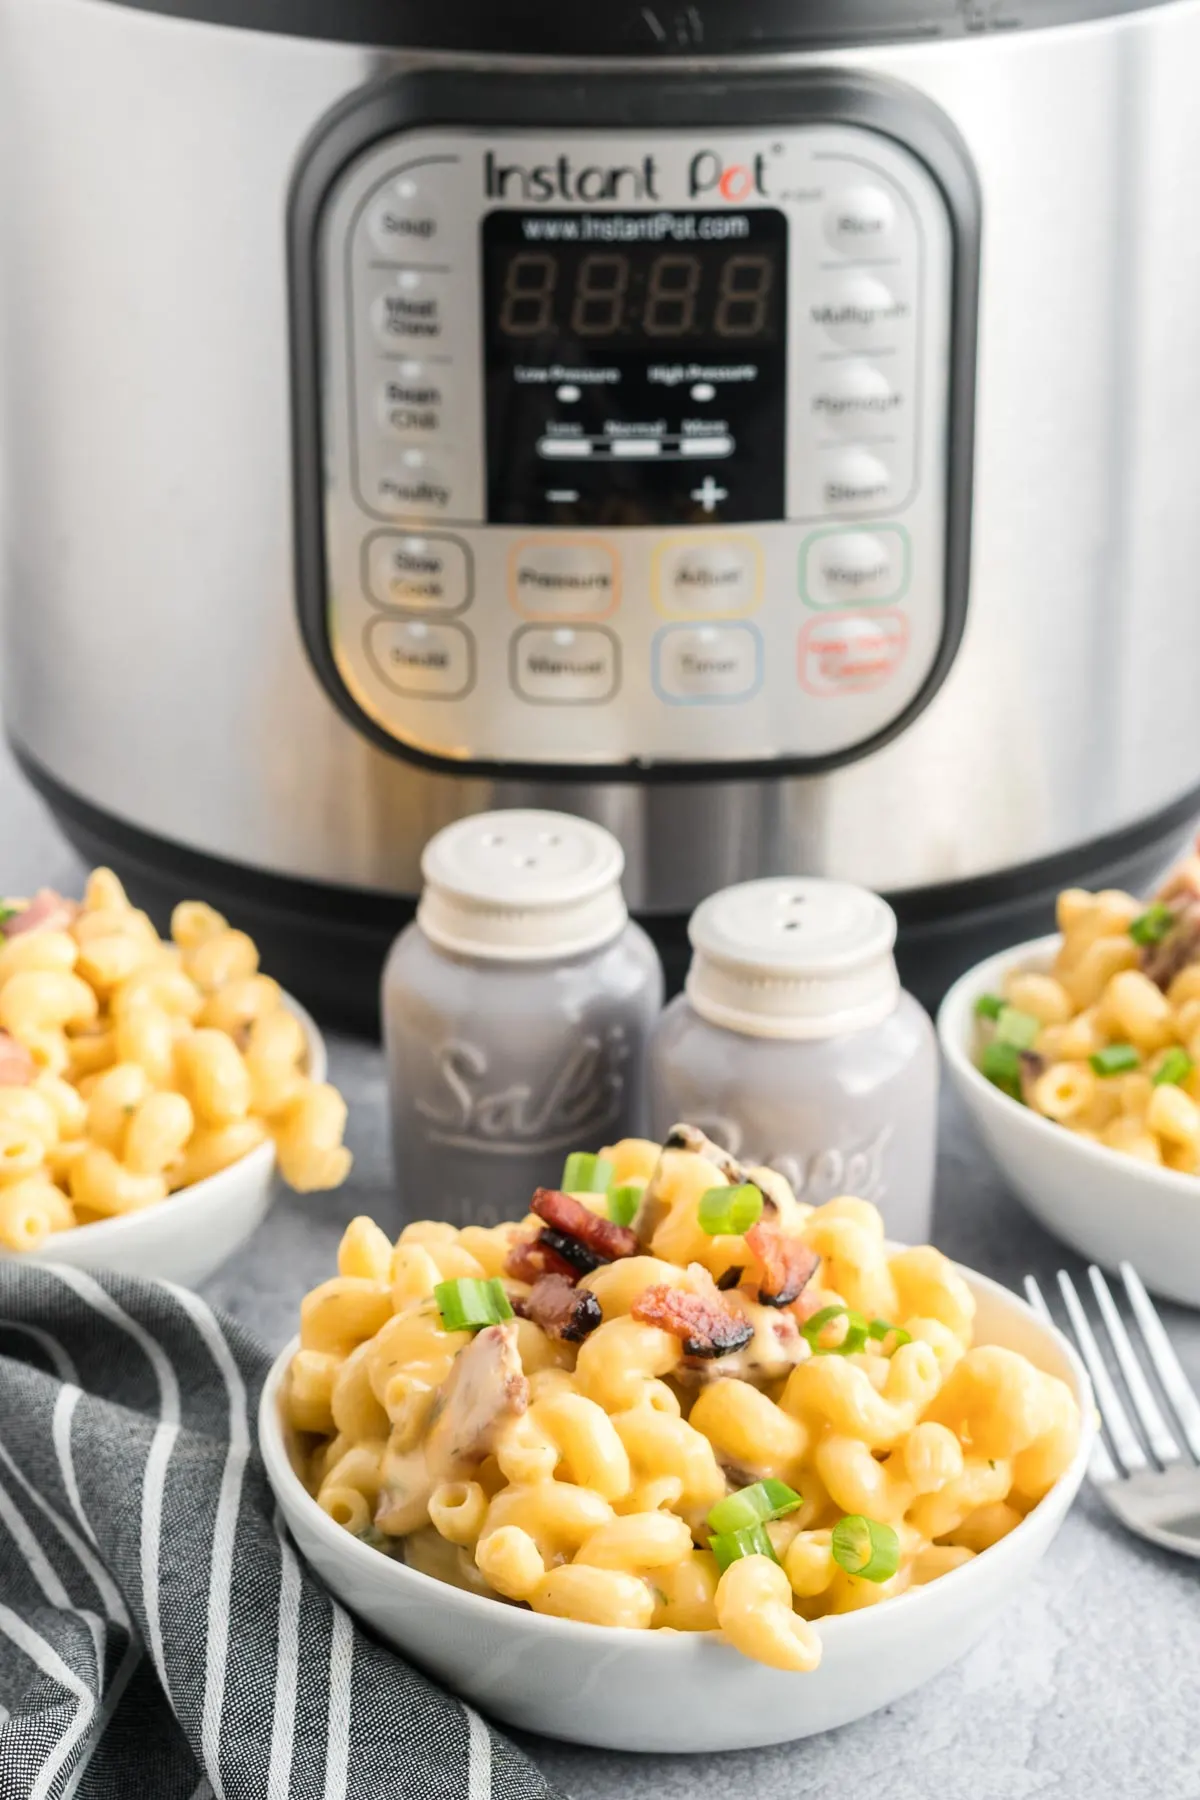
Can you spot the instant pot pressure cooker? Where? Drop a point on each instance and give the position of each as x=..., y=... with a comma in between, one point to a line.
x=767, y=427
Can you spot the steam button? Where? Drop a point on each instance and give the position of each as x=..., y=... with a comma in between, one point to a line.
x=855, y=479
x=859, y=221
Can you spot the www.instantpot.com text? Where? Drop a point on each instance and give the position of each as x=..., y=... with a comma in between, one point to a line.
x=624, y=228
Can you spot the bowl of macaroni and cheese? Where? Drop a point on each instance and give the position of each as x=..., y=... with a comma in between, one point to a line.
x=1074, y=1055
x=674, y=1463
x=149, y=1090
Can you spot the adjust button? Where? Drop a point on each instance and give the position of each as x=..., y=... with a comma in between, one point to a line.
x=429, y=573
x=436, y=662
x=706, y=664
x=563, y=578
x=707, y=576
x=565, y=665
x=846, y=568
x=859, y=221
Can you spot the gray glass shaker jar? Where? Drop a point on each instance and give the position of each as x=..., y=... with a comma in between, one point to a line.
x=517, y=1011
x=795, y=1046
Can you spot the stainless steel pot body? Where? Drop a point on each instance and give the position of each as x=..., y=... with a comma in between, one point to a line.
x=152, y=662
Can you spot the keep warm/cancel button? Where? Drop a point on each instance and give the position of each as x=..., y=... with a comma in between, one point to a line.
x=565, y=666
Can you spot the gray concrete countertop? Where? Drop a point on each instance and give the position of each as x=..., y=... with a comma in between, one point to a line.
x=1085, y=1688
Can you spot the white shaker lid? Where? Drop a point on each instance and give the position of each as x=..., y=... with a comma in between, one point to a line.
x=793, y=958
x=522, y=886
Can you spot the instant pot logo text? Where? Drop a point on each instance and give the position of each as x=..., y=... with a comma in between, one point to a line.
x=711, y=176
x=564, y=180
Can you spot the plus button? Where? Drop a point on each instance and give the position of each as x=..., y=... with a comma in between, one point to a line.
x=708, y=494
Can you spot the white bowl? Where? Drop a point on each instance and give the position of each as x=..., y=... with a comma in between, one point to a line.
x=189, y=1234
x=680, y=1691
x=1104, y=1204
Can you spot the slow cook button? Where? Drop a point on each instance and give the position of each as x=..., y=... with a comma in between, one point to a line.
x=558, y=578
x=855, y=395
x=427, y=573
x=856, y=478
x=851, y=653
x=719, y=575
x=411, y=311
x=707, y=664
x=844, y=568
x=861, y=311
x=436, y=662
x=405, y=216
x=859, y=220
x=565, y=666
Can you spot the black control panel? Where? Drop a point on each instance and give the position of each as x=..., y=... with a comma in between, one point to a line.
x=635, y=366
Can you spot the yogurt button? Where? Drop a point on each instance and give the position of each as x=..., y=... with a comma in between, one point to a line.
x=843, y=568
x=860, y=220
x=695, y=664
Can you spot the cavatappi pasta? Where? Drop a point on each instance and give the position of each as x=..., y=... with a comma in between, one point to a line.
x=131, y=1067
x=1106, y=1042
x=681, y=1425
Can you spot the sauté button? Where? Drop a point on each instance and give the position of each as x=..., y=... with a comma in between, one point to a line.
x=859, y=221
x=561, y=578
x=414, y=656
x=844, y=568
x=851, y=653
x=718, y=576
x=695, y=665
x=428, y=573
x=567, y=665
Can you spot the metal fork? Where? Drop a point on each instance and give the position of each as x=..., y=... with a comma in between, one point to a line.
x=1146, y=1469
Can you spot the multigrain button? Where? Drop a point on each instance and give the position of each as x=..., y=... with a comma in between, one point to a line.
x=411, y=310
x=845, y=568
x=716, y=576
x=428, y=573
x=851, y=653
x=563, y=578
x=405, y=217
x=854, y=398
x=859, y=221
x=706, y=664
x=567, y=665
x=415, y=656
x=855, y=478
x=860, y=311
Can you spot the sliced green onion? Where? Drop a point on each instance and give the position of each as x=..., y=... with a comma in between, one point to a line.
x=468, y=1304
x=1175, y=1067
x=1152, y=926
x=853, y=1340
x=989, y=1006
x=730, y=1211
x=1020, y=1029
x=1001, y=1064
x=584, y=1174
x=729, y=1546
x=623, y=1203
x=1115, y=1059
x=865, y=1548
x=880, y=1328
x=753, y=1505
x=8, y=912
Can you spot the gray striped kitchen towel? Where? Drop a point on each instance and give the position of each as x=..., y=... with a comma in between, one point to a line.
x=159, y=1637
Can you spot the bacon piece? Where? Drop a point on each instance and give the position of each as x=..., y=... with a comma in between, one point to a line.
x=530, y=1259
x=788, y=1265
x=1164, y=961
x=577, y=1256
x=562, y=1310
x=47, y=911
x=572, y=1219
x=730, y=1279
x=16, y=1064
x=1032, y=1066
x=705, y=1327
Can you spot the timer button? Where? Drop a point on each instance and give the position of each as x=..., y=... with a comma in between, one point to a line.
x=861, y=311
x=855, y=478
x=405, y=217
x=425, y=573
x=411, y=311
x=859, y=221
x=714, y=576
x=413, y=656
x=846, y=568
x=706, y=664
x=562, y=578
x=853, y=395
x=565, y=666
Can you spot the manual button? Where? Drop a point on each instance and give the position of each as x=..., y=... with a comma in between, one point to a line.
x=704, y=664
x=566, y=666
x=564, y=578
x=702, y=577
x=414, y=656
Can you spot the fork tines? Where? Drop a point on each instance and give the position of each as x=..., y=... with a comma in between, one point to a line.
x=1142, y=1433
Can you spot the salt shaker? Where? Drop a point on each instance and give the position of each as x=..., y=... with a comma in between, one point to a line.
x=517, y=1011
x=794, y=1046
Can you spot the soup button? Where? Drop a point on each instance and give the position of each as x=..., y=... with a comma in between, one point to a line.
x=695, y=665
x=851, y=653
